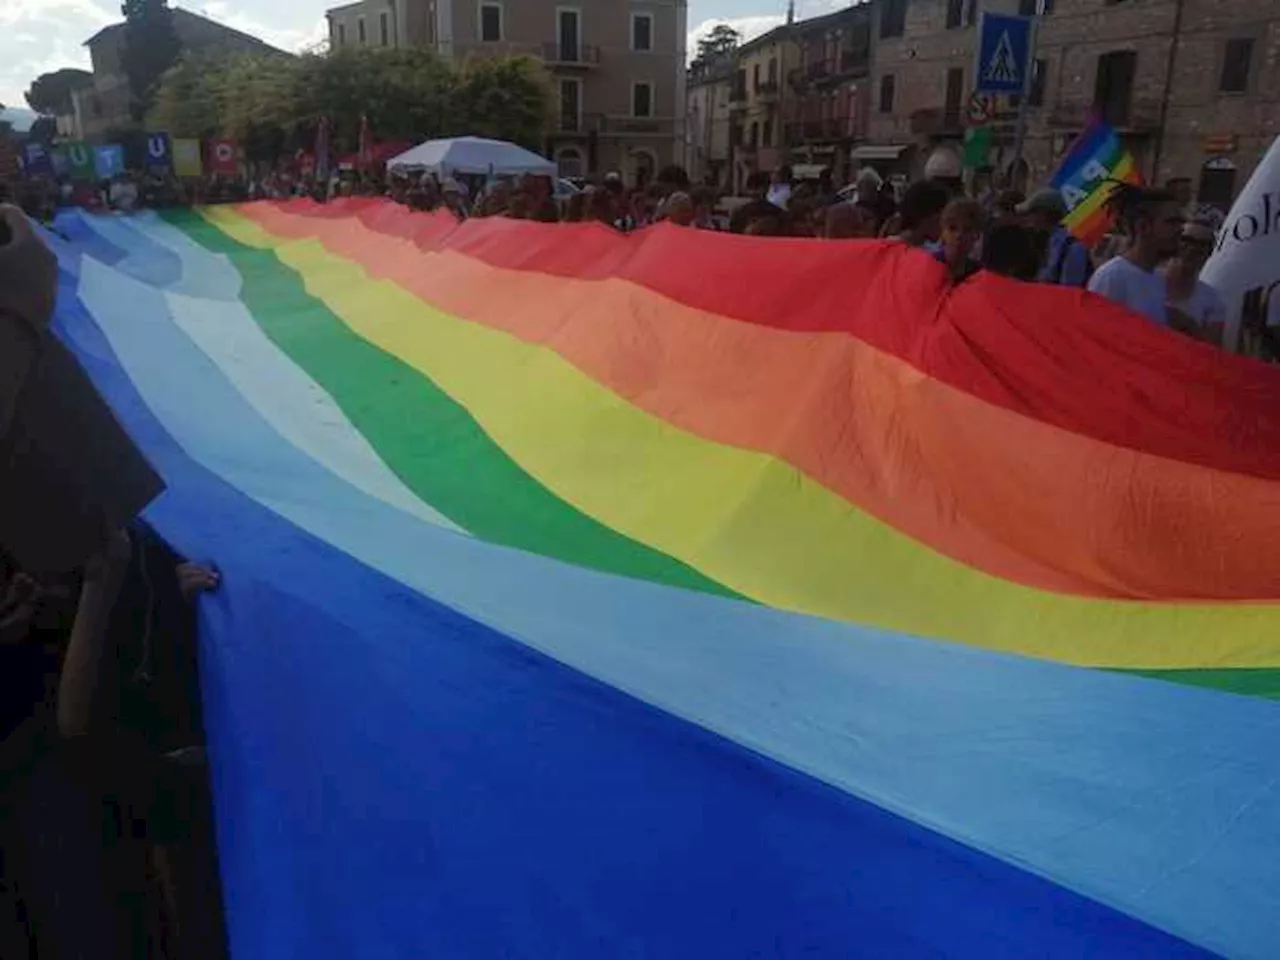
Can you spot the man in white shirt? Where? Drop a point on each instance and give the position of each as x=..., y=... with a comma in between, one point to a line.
x=1152, y=220
x=1199, y=303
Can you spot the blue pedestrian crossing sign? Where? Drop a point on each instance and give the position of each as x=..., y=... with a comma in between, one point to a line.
x=1004, y=51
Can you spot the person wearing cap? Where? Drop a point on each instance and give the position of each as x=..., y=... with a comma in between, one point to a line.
x=1203, y=310
x=1067, y=262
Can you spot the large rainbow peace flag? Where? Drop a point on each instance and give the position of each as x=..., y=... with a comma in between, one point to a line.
x=696, y=596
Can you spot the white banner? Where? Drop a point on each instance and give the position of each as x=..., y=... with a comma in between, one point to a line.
x=1245, y=266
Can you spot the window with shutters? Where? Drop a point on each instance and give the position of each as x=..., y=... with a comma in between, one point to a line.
x=886, y=93
x=571, y=104
x=642, y=32
x=1113, y=86
x=642, y=100
x=1237, y=58
x=954, y=94
x=491, y=22
x=893, y=18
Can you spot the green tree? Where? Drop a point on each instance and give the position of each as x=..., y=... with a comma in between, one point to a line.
x=273, y=104
x=508, y=99
x=43, y=130
x=406, y=94
x=151, y=48
x=50, y=93
x=186, y=101
x=720, y=42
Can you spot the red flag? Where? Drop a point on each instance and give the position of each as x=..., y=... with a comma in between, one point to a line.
x=222, y=157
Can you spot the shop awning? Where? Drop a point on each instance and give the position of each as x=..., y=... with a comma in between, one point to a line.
x=878, y=151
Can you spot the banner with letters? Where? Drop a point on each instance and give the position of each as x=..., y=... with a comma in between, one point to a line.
x=1245, y=266
x=187, y=161
x=36, y=161
x=80, y=160
x=222, y=157
x=159, y=153
x=60, y=162
x=108, y=161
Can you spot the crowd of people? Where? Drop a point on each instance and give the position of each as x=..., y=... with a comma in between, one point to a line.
x=1151, y=263
x=106, y=835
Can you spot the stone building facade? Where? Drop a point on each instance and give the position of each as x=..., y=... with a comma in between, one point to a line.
x=707, y=125
x=758, y=103
x=1192, y=86
x=829, y=90
x=618, y=65
x=104, y=106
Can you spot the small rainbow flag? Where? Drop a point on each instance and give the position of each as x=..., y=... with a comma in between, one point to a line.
x=1086, y=177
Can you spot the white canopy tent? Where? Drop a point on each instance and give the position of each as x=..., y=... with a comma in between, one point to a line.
x=471, y=155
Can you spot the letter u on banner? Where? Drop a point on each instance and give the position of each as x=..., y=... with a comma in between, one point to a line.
x=159, y=154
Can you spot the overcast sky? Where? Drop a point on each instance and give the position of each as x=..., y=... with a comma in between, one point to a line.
x=41, y=35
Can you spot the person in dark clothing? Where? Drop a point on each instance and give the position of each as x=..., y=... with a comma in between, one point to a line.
x=757, y=208
x=920, y=213
x=96, y=696
x=1013, y=250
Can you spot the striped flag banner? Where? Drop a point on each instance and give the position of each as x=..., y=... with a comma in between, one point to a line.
x=1086, y=176
x=589, y=595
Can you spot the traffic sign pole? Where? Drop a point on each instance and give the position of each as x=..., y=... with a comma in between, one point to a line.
x=1024, y=105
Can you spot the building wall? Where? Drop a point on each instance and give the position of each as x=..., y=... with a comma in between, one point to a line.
x=760, y=104
x=707, y=126
x=608, y=137
x=344, y=24
x=605, y=136
x=826, y=107
x=1199, y=120
x=1202, y=120
x=106, y=104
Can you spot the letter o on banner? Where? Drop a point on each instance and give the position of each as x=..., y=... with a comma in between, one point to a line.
x=1253, y=227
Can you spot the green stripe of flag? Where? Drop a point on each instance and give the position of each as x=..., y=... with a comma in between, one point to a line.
x=424, y=436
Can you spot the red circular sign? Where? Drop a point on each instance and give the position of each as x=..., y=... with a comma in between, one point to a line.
x=981, y=109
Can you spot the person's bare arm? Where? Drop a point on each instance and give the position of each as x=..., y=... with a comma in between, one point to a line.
x=81, y=685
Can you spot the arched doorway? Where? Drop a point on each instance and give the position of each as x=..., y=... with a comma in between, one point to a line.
x=644, y=163
x=1217, y=183
x=1018, y=175
x=569, y=162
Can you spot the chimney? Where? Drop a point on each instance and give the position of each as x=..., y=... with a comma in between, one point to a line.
x=791, y=12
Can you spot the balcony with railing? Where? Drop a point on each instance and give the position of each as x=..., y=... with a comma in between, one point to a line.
x=849, y=63
x=767, y=91
x=571, y=55
x=614, y=125
x=827, y=129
